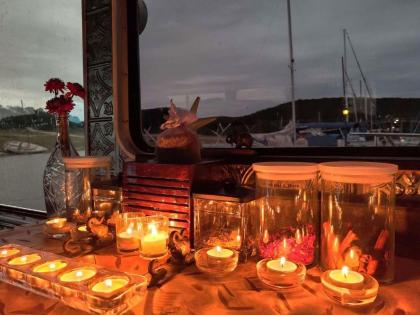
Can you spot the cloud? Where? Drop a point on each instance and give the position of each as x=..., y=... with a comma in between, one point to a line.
x=243, y=46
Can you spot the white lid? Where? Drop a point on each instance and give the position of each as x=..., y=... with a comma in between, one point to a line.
x=286, y=170
x=87, y=161
x=358, y=172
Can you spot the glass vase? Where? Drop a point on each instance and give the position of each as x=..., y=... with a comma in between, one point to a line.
x=54, y=173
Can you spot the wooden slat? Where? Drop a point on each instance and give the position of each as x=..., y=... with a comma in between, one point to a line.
x=157, y=205
x=156, y=182
x=158, y=191
x=149, y=197
x=171, y=215
x=166, y=171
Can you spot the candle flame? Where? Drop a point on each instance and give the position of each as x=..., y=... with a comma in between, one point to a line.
x=282, y=261
x=345, y=271
x=238, y=238
x=266, y=237
x=129, y=230
x=108, y=283
x=351, y=254
x=24, y=258
x=153, y=229
x=4, y=252
x=218, y=249
x=51, y=266
x=79, y=273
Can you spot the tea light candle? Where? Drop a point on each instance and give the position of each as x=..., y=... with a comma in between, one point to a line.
x=50, y=266
x=24, y=260
x=56, y=223
x=128, y=240
x=153, y=244
x=82, y=228
x=109, y=285
x=78, y=275
x=7, y=252
x=219, y=253
x=281, y=265
x=346, y=278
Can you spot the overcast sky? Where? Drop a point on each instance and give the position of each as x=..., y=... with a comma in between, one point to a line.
x=39, y=39
x=221, y=47
x=206, y=48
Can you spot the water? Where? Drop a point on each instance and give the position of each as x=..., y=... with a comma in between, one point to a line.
x=21, y=180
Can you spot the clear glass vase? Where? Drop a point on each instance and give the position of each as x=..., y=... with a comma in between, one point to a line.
x=54, y=173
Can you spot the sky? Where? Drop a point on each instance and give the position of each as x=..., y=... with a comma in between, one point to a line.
x=232, y=53
x=235, y=53
x=39, y=39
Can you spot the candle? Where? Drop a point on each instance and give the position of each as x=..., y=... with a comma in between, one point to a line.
x=281, y=265
x=4, y=253
x=57, y=223
x=50, y=266
x=153, y=244
x=346, y=278
x=219, y=253
x=110, y=285
x=78, y=275
x=24, y=260
x=82, y=228
x=128, y=240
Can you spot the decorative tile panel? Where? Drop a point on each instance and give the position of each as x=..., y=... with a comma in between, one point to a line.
x=100, y=91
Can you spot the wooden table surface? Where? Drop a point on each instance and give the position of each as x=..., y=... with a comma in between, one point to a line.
x=191, y=292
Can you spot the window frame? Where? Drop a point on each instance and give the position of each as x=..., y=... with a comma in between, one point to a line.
x=409, y=156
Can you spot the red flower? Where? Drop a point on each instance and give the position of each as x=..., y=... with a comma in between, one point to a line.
x=54, y=85
x=59, y=105
x=75, y=89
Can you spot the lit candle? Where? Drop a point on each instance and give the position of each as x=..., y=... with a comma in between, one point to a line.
x=128, y=240
x=82, y=228
x=24, y=260
x=219, y=253
x=56, y=223
x=7, y=252
x=78, y=275
x=281, y=265
x=110, y=285
x=346, y=278
x=50, y=266
x=153, y=244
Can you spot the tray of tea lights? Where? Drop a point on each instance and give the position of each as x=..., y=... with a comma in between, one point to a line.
x=90, y=288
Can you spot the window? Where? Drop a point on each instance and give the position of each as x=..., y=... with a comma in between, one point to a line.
x=39, y=40
x=235, y=56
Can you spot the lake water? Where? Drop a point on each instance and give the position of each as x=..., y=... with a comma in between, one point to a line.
x=21, y=180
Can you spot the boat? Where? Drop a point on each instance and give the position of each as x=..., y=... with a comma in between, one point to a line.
x=21, y=147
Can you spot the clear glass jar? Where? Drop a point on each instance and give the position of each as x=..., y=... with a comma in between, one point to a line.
x=127, y=231
x=107, y=196
x=80, y=173
x=357, y=217
x=154, y=236
x=287, y=198
x=228, y=219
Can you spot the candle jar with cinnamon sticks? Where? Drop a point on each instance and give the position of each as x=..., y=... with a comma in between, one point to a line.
x=287, y=197
x=357, y=217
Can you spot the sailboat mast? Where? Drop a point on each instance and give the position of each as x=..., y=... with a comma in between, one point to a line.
x=292, y=73
x=344, y=69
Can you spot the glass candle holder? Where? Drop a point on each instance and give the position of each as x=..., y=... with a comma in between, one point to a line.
x=289, y=215
x=81, y=172
x=357, y=217
x=280, y=273
x=107, y=197
x=349, y=288
x=57, y=227
x=128, y=226
x=154, y=234
x=216, y=261
x=228, y=218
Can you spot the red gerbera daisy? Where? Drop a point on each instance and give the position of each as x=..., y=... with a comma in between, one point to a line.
x=54, y=85
x=59, y=105
x=76, y=89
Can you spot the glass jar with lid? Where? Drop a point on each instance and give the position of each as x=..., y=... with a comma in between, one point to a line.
x=287, y=197
x=80, y=173
x=357, y=217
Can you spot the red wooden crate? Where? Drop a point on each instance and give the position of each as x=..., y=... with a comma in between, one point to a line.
x=163, y=189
